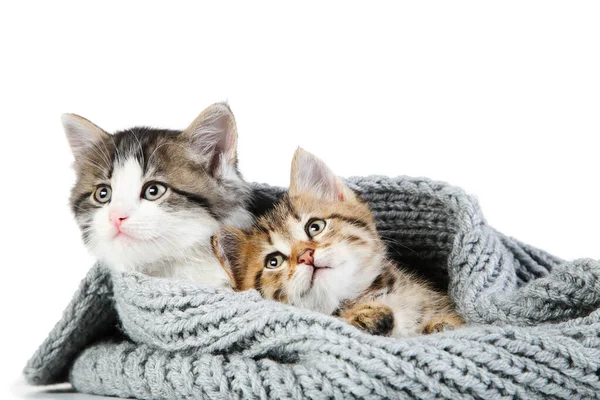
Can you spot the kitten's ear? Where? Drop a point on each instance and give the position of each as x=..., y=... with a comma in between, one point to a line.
x=214, y=138
x=81, y=134
x=311, y=176
x=226, y=245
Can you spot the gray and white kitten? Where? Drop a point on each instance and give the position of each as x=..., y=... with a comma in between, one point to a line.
x=149, y=200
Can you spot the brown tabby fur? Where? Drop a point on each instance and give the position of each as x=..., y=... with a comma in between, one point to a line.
x=371, y=292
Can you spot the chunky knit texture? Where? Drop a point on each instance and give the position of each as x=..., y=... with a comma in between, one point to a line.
x=534, y=323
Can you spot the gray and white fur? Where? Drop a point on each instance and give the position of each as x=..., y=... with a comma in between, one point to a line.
x=149, y=200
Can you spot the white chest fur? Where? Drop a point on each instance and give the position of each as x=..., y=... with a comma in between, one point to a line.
x=199, y=265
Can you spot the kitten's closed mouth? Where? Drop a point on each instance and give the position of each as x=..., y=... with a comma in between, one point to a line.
x=314, y=273
x=122, y=236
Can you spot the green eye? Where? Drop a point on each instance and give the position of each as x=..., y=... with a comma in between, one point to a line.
x=314, y=227
x=102, y=194
x=274, y=260
x=154, y=191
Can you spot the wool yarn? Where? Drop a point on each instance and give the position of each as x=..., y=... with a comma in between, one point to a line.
x=533, y=322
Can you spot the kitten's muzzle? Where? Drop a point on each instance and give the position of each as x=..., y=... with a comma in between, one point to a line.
x=117, y=217
x=306, y=257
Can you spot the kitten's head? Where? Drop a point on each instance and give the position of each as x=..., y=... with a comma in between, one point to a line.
x=316, y=248
x=144, y=195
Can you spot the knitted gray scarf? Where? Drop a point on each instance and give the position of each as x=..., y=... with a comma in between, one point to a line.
x=534, y=325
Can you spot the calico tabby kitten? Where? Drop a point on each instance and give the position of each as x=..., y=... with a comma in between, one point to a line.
x=149, y=200
x=319, y=249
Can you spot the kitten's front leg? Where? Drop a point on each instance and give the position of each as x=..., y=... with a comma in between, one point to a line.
x=373, y=317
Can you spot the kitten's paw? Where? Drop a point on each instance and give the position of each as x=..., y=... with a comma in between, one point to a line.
x=441, y=324
x=373, y=317
x=436, y=327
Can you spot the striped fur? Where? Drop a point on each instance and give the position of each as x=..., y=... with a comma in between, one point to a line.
x=350, y=275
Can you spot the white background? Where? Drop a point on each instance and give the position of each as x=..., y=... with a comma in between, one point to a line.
x=500, y=98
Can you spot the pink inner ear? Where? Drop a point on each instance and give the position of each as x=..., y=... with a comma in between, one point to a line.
x=339, y=191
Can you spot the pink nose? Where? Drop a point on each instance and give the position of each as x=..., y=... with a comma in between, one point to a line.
x=306, y=257
x=117, y=218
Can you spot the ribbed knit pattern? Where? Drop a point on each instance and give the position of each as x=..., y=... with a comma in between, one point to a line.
x=534, y=327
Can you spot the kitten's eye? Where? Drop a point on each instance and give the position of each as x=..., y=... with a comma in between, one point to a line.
x=274, y=260
x=102, y=194
x=314, y=227
x=154, y=191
